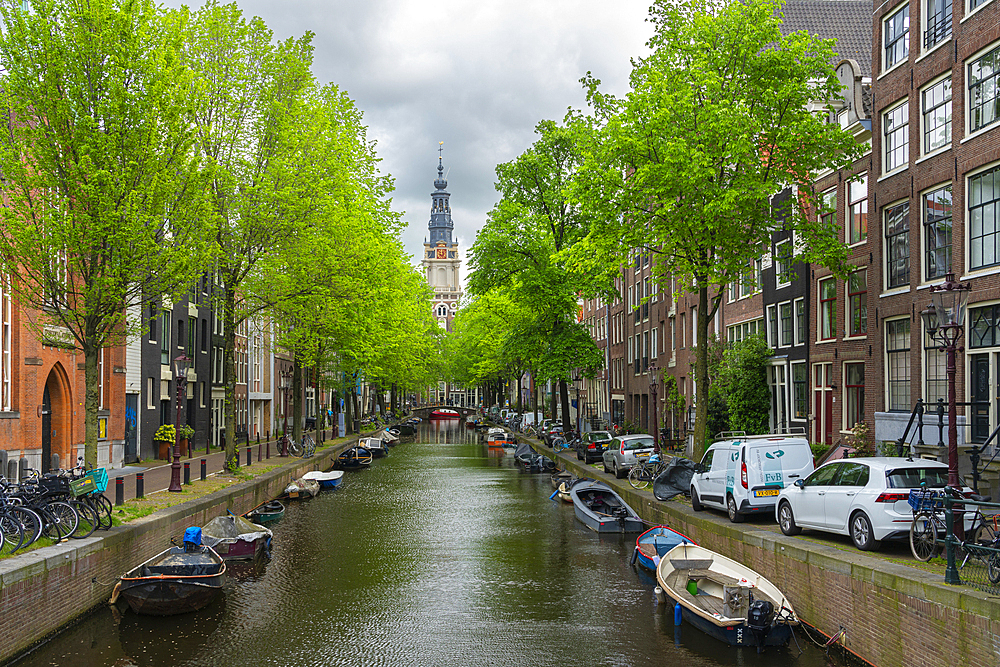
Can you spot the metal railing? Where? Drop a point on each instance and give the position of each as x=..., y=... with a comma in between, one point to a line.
x=971, y=562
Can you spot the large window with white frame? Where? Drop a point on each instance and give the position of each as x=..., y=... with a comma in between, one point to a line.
x=854, y=394
x=897, y=245
x=936, y=219
x=983, y=194
x=983, y=76
x=896, y=137
x=897, y=354
x=740, y=332
x=783, y=263
x=800, y=390
x=779, y=392
x=772, y=325
x=857, y=201
x=937, y=22
x=801, y=325
x=935, y=114
x=785, y=324
x=896, y=37
x=828, y=208
x=6, y=344
x=827, y=309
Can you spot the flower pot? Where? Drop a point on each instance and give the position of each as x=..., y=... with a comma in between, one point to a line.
x=163, y=449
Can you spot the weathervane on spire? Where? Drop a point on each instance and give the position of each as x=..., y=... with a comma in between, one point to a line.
x=440, y=149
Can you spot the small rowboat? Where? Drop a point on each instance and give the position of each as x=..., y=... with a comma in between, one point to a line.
x=652, y=545
x=599, y=508
x=327, y=480
x=376, y=446
x=725, y=599
x=561, y=476
x=354, y=458
x=302, y=488
x=175, y=581
x=444, y=413
x=266, y=513
x=236, y=538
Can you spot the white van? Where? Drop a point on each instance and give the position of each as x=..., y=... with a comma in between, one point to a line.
x=744, y=474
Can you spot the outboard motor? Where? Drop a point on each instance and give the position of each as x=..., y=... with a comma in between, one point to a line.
x=192, y=539
x=759, y=619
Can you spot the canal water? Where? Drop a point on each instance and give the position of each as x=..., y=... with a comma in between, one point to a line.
x=437, y=556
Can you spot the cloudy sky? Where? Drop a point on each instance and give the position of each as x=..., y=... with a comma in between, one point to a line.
x=475, y=74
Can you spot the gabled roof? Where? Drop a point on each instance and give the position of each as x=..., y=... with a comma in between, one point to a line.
x=847, y=21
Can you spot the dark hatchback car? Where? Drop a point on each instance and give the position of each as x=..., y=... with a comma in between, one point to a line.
x=592, y=445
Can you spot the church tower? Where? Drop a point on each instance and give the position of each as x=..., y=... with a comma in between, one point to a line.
x=441, y=262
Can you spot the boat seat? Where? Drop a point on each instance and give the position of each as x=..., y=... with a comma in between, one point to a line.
x=691, y=563
x=717, y=577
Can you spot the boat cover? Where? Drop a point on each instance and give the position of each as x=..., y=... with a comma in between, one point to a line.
x=525, y=449
x=675, y=479
x=230, y=529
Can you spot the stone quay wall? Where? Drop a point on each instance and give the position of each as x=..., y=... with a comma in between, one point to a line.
x=42, y=591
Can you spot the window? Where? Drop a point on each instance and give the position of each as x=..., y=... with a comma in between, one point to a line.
x=673, y=335
x=828, y=208
x=854, y=388
x=935, y=371
x=772, y=325
x=936, y=216
x=800, y=321
x=742, y=331
x=165, y=337
x=897, y=245
x=750, y=281
x=800, y=390
x=897, y=352
x=983, y=194
x=975, y=3
x=983, y=93
x=827, y=309
x=153, y=315
x=896, y=124
x=857, y=197
x=653, y=347
x=150, y=397
x=683, y=328
x=6, y=344
x=935, y=107
x=938, y=22
x=896, y=33
x=857, y=303
x=694, y=326
x=192, y=330
x=785, y=318
x=776, y=380
x=783, y=263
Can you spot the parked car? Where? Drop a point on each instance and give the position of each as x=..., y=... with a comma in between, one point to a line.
x=866, y=498
x=591, y=446
x=620, y=455
x=744, y=474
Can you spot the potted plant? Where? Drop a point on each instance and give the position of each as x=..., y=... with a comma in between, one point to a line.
x=164, y=437
x=186, y=433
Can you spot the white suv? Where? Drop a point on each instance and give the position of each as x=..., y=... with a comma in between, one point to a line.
x=744, y=474
x=866, y=498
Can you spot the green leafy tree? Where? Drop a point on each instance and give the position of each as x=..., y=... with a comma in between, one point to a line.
x=718, y=118
x=743, y=380
x=101, y=185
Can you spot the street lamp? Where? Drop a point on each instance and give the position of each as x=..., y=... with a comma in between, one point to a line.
x=653, y=381
x=180, y=379
x=286, y=381
x=944, y=320
x=577, y=384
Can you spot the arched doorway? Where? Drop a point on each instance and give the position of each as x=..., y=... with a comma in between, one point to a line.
x=56, y=420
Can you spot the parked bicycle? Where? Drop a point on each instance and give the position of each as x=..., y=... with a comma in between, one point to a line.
x=305, y=447
x=929, y=526
x=646, y=469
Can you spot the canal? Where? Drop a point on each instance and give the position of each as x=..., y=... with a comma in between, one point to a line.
x=439, y=555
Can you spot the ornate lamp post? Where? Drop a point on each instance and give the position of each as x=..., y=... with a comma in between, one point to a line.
x=944, y=320
x=286, y=383
x=578, y=384
x=653, y=382
x=180, y=379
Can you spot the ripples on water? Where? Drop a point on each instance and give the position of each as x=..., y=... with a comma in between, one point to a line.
x=437, y=556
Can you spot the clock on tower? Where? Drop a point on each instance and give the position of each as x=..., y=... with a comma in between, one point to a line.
x=442, y=253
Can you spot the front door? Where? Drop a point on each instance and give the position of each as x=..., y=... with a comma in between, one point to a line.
x=823, y=403
x=131, y=428
x=46, y=430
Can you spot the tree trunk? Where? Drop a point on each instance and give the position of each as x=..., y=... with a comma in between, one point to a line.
x=348, y=412
x=520, y=400
x=296, y=400
x=534, y=399
x=555, y=412
x=91, y=405
x=393, y=398
x=229, y=376
x=701, y=377
x=564, y=396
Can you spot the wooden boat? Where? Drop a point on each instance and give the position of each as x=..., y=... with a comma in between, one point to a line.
x=531, y=461
x=390, y=437
x=266, y=513
x=175, y=581
x=236, y=538
x=652, y=545
x=376, y=446
x=327, y=480
x=444, y=413
x=353, y=458
x=302, y=488
x=564, y=492
x=725, y=599
x=603, y=510
x=407, y=429
x=560, y=476
x=497, y=437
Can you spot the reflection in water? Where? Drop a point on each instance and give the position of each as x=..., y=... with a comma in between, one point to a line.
x=439, y=555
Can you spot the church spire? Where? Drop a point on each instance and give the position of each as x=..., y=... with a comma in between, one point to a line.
x=440, y=224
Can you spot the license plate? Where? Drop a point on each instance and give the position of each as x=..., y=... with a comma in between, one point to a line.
x=760, y=493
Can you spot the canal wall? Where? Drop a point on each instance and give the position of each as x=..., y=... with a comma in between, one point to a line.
x=44, y=590
x=893, y=615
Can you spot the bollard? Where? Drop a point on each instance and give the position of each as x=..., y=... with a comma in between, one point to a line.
x=138, y=486
x=249, y=458
x=187, y=472
x=267, y=446
x=119, y=490
x=204, y=466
